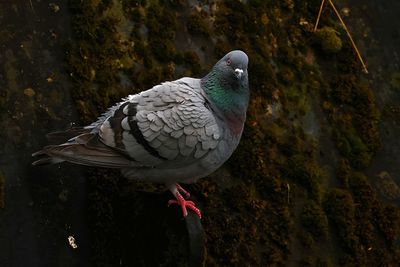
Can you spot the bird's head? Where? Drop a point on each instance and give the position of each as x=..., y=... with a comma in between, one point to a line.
x=226, y=87
x=233, y=68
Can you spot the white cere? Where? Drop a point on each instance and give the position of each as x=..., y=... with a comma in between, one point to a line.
x=238, y=72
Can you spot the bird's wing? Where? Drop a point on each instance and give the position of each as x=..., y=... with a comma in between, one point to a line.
x=168, y=124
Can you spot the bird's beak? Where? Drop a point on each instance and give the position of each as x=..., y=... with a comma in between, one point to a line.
x=238, y=73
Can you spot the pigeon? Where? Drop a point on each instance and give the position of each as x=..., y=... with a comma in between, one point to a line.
x=176, y=132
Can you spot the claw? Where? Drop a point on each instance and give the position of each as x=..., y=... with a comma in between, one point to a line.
x=181, y=201
x=187, y=202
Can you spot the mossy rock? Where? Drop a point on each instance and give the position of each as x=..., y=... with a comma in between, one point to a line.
x=306, y=239
x=387, y=186
x=324, y=263
x=329, y=40
x=314, y=220
x=340, y=210
x=271, y=152
x=395, y=81
x=306, y=262
x=2, y=185
x=197, y=25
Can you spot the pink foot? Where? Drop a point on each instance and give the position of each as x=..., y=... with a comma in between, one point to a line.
x=180, y=189
x=176, y=189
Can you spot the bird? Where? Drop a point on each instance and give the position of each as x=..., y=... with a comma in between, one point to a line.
x=174, y=133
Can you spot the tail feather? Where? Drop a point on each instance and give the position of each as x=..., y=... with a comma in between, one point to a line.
x=84, y=149
x=46, y=161
x=62, y=136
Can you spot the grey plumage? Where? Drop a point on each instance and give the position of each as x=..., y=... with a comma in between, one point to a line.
x=177, y=131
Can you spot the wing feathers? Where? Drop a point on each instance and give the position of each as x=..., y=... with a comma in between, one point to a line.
x=163, y=124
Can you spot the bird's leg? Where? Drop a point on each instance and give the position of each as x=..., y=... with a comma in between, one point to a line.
x=181, y=201
x=182, y=190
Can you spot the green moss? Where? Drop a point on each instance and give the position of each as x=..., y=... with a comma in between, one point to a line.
x=197, y=25
x=177, y=4
x=192, y=61
x=356, y=123
x=249, y=164
x=2, y=190
x=306, y=172
x=395, y=81
x=287, y=76
x=329, y=40
x=307, y=262
x=161, y=23
x=389, y=224
x=306, y=239
x=352, y=147
x=3, y=101
x=220, y=48
x=324, y=263
x=367, y=207
x=314, y=220
x=343, y=172
x=95, y=59
x=340, y=209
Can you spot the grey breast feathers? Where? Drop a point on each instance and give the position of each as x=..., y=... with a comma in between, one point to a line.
x=168, y=124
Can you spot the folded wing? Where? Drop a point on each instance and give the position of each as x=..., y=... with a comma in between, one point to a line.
x=168, y=125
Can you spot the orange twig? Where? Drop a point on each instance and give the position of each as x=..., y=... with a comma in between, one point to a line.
x=319, y=14
x=351, y=38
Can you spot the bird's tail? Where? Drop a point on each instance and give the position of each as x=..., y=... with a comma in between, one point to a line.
x=45, y=160
x=84, y=149
x=62, y=136
x=56, y=137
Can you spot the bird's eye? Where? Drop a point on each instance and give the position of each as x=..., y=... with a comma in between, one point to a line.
x=228, y=62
